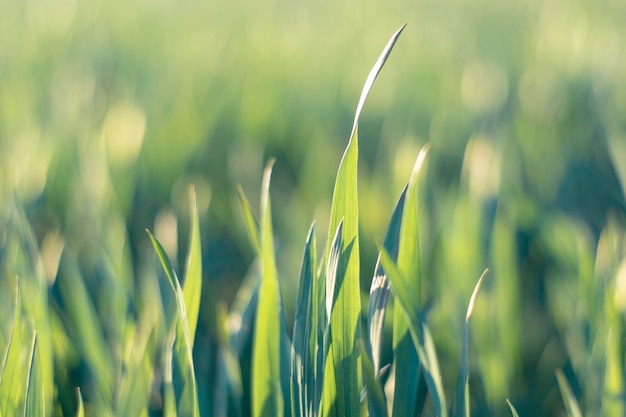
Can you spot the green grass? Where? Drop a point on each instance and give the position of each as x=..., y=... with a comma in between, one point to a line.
x=85, y=331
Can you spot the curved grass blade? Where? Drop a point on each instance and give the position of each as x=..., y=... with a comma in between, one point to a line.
x=420, y=332
x=14, y=377
x=267, y=395
x=192, y=286
x=344, y=322
x=252, y=225
x=184, y=380
x=571, y=405
x=513, y=410
x=379, y=289
x=302, y=375
x=461, y=402
x=80, y=409
x=375, y=398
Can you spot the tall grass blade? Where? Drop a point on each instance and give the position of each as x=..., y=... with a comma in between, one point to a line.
x=571, y=405
x=409, y=264
x=302, y=374
x=192, y=286
x=228, y=387
x=344, y=321
x=513, y=410
x=183, y=374
x=267, y=395
x=461, y=402
x=379, y=289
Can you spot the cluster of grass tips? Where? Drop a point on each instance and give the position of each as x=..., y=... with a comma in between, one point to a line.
x=142, y=361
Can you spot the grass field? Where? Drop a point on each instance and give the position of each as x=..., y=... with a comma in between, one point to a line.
x=121, y=117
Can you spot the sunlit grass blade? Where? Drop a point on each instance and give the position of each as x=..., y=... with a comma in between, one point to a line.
x=375, y=398
x=420, y=332
x=267, y=395
x=35, y=398
x=461, y=401
x=302, y=374
x=571, y=405
x=369, y=82
x=184, y=379
x=252, y=225
x=379, y=289
x=14, y=377
x=192, y=286
x=10, y=318
x=513, y=410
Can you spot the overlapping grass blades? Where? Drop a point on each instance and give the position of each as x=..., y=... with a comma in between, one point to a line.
x=180, y=389
x=405, y=279
x=344, y=399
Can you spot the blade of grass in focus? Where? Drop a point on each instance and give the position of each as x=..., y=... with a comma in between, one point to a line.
x=267, y=395
x=375, y=398
x=405, y=284
x=344, y=321
x=302, y=375
x=461, y=401
x=35, y=398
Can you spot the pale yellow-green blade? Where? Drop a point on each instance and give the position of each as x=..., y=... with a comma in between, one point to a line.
x=192, y=286
x=267, y=395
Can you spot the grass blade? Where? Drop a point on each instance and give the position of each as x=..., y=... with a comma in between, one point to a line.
x=184, y=380
x=80, y=409
x=192, y=286
x=252, y=225
x=344, y=322
x=379, y=289
x=35, y=396
x=461, y=402
x=571, y=405
x=302, y=376
x=375, y=398
x=267, y=396
x=513, y=410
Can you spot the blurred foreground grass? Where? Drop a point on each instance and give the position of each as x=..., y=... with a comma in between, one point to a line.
x=108, y=111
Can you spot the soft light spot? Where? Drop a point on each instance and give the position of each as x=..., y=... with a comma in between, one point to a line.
x=484, y=86
x=123, y=130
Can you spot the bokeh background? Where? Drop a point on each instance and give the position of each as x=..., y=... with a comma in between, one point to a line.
x=110, y=109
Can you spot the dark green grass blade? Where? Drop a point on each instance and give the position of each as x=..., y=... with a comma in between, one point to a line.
x=267, y=395
x=35, y=398
x=513, y=410
x=192, y=286
x=420, y=332
x=571, y=405
x=409, y=264
x=252, y=225
x=379, y=289
x=375, y=398
x=183, y=379
x=461, y=402
x=302, y=376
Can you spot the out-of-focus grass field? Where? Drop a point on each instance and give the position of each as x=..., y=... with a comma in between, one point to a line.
x=109, y=110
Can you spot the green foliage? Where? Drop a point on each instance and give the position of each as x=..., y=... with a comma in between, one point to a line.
x=89, y=328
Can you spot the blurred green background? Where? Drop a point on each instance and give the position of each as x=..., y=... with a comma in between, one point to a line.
x=108, y=110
